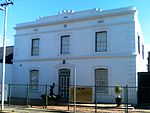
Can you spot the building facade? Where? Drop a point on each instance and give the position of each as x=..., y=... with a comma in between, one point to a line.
x=86, y=48
x=8, y=69
x=8, y=64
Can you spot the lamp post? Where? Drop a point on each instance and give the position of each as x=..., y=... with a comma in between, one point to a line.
x=4, y=51
x=3, y=64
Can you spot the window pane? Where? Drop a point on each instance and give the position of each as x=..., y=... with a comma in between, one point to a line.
x=35, y=47
x=101, y=41
x=34, y=74
x=65, y=44
x=101, y=80
x=143, y=51
x=139, y=44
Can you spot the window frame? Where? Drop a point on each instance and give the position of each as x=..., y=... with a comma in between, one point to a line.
x=34, y=86
x=143, y=51
x=96, y=42
x=64, y=73
x=139, y=44
x=104, y=89
x=33, y=52
x=61, y=44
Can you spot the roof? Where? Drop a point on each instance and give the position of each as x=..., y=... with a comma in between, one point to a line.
x=70, y=16
x=9, y=54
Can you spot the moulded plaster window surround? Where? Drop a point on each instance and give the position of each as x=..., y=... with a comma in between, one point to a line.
x=35, y=47
x=101, y=80
x=139, y=44
x=65, y=46
x=101, y=41
x=34, y=76
x=143, y=51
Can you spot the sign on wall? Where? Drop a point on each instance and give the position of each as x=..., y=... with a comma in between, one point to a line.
x=83, y=94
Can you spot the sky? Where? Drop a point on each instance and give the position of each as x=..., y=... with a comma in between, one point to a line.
x=28, y=10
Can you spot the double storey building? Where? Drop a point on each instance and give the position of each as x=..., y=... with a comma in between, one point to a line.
x=85, y=48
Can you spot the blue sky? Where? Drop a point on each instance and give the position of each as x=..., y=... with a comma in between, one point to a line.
x=28, y=10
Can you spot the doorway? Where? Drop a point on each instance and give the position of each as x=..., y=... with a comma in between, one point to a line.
x=64, y=82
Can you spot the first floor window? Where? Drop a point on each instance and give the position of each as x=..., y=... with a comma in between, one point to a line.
x=34, y=76
x=139, y=44
x=101, y=80
x=65, y=46
x=101, y=41
x=143, y=51
x=35, y=47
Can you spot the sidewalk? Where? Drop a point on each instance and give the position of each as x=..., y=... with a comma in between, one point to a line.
x=80, y=108
x=26, y=109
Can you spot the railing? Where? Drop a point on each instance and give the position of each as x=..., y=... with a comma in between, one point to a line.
x=88, y=98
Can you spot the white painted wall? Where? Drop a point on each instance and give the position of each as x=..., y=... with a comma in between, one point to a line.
x=8, y=74
x=78, y=34
x=121, y=58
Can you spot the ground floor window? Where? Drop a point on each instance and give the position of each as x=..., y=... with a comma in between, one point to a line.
x=34, y=76
x=64, y=82
x=101, y=80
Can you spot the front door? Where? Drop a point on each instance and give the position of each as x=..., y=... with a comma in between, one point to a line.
x=64, y=82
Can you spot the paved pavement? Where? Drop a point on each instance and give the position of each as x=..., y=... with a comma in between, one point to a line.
x=29, y=109
x=26, y=109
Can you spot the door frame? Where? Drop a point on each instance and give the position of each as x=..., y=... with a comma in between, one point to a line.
x=63, y=83
x=63, y=66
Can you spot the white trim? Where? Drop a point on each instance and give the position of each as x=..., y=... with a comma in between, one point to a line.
x=76, y=28
x=53, y=20
x=109, y=77
x=64, y=66
x=30, y=69
x=63, y=33
x=99, y=67
x=33, y=68
x=99, y=29
x=71, y=57
x=30, y=46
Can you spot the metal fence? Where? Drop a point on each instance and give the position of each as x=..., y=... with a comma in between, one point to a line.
x=77, y=98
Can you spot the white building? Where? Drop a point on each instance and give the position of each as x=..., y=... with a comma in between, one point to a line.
x=8, y=69
x=102, y=48
x=8, y=64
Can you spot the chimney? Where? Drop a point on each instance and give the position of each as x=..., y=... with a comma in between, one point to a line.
x=148, y=61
